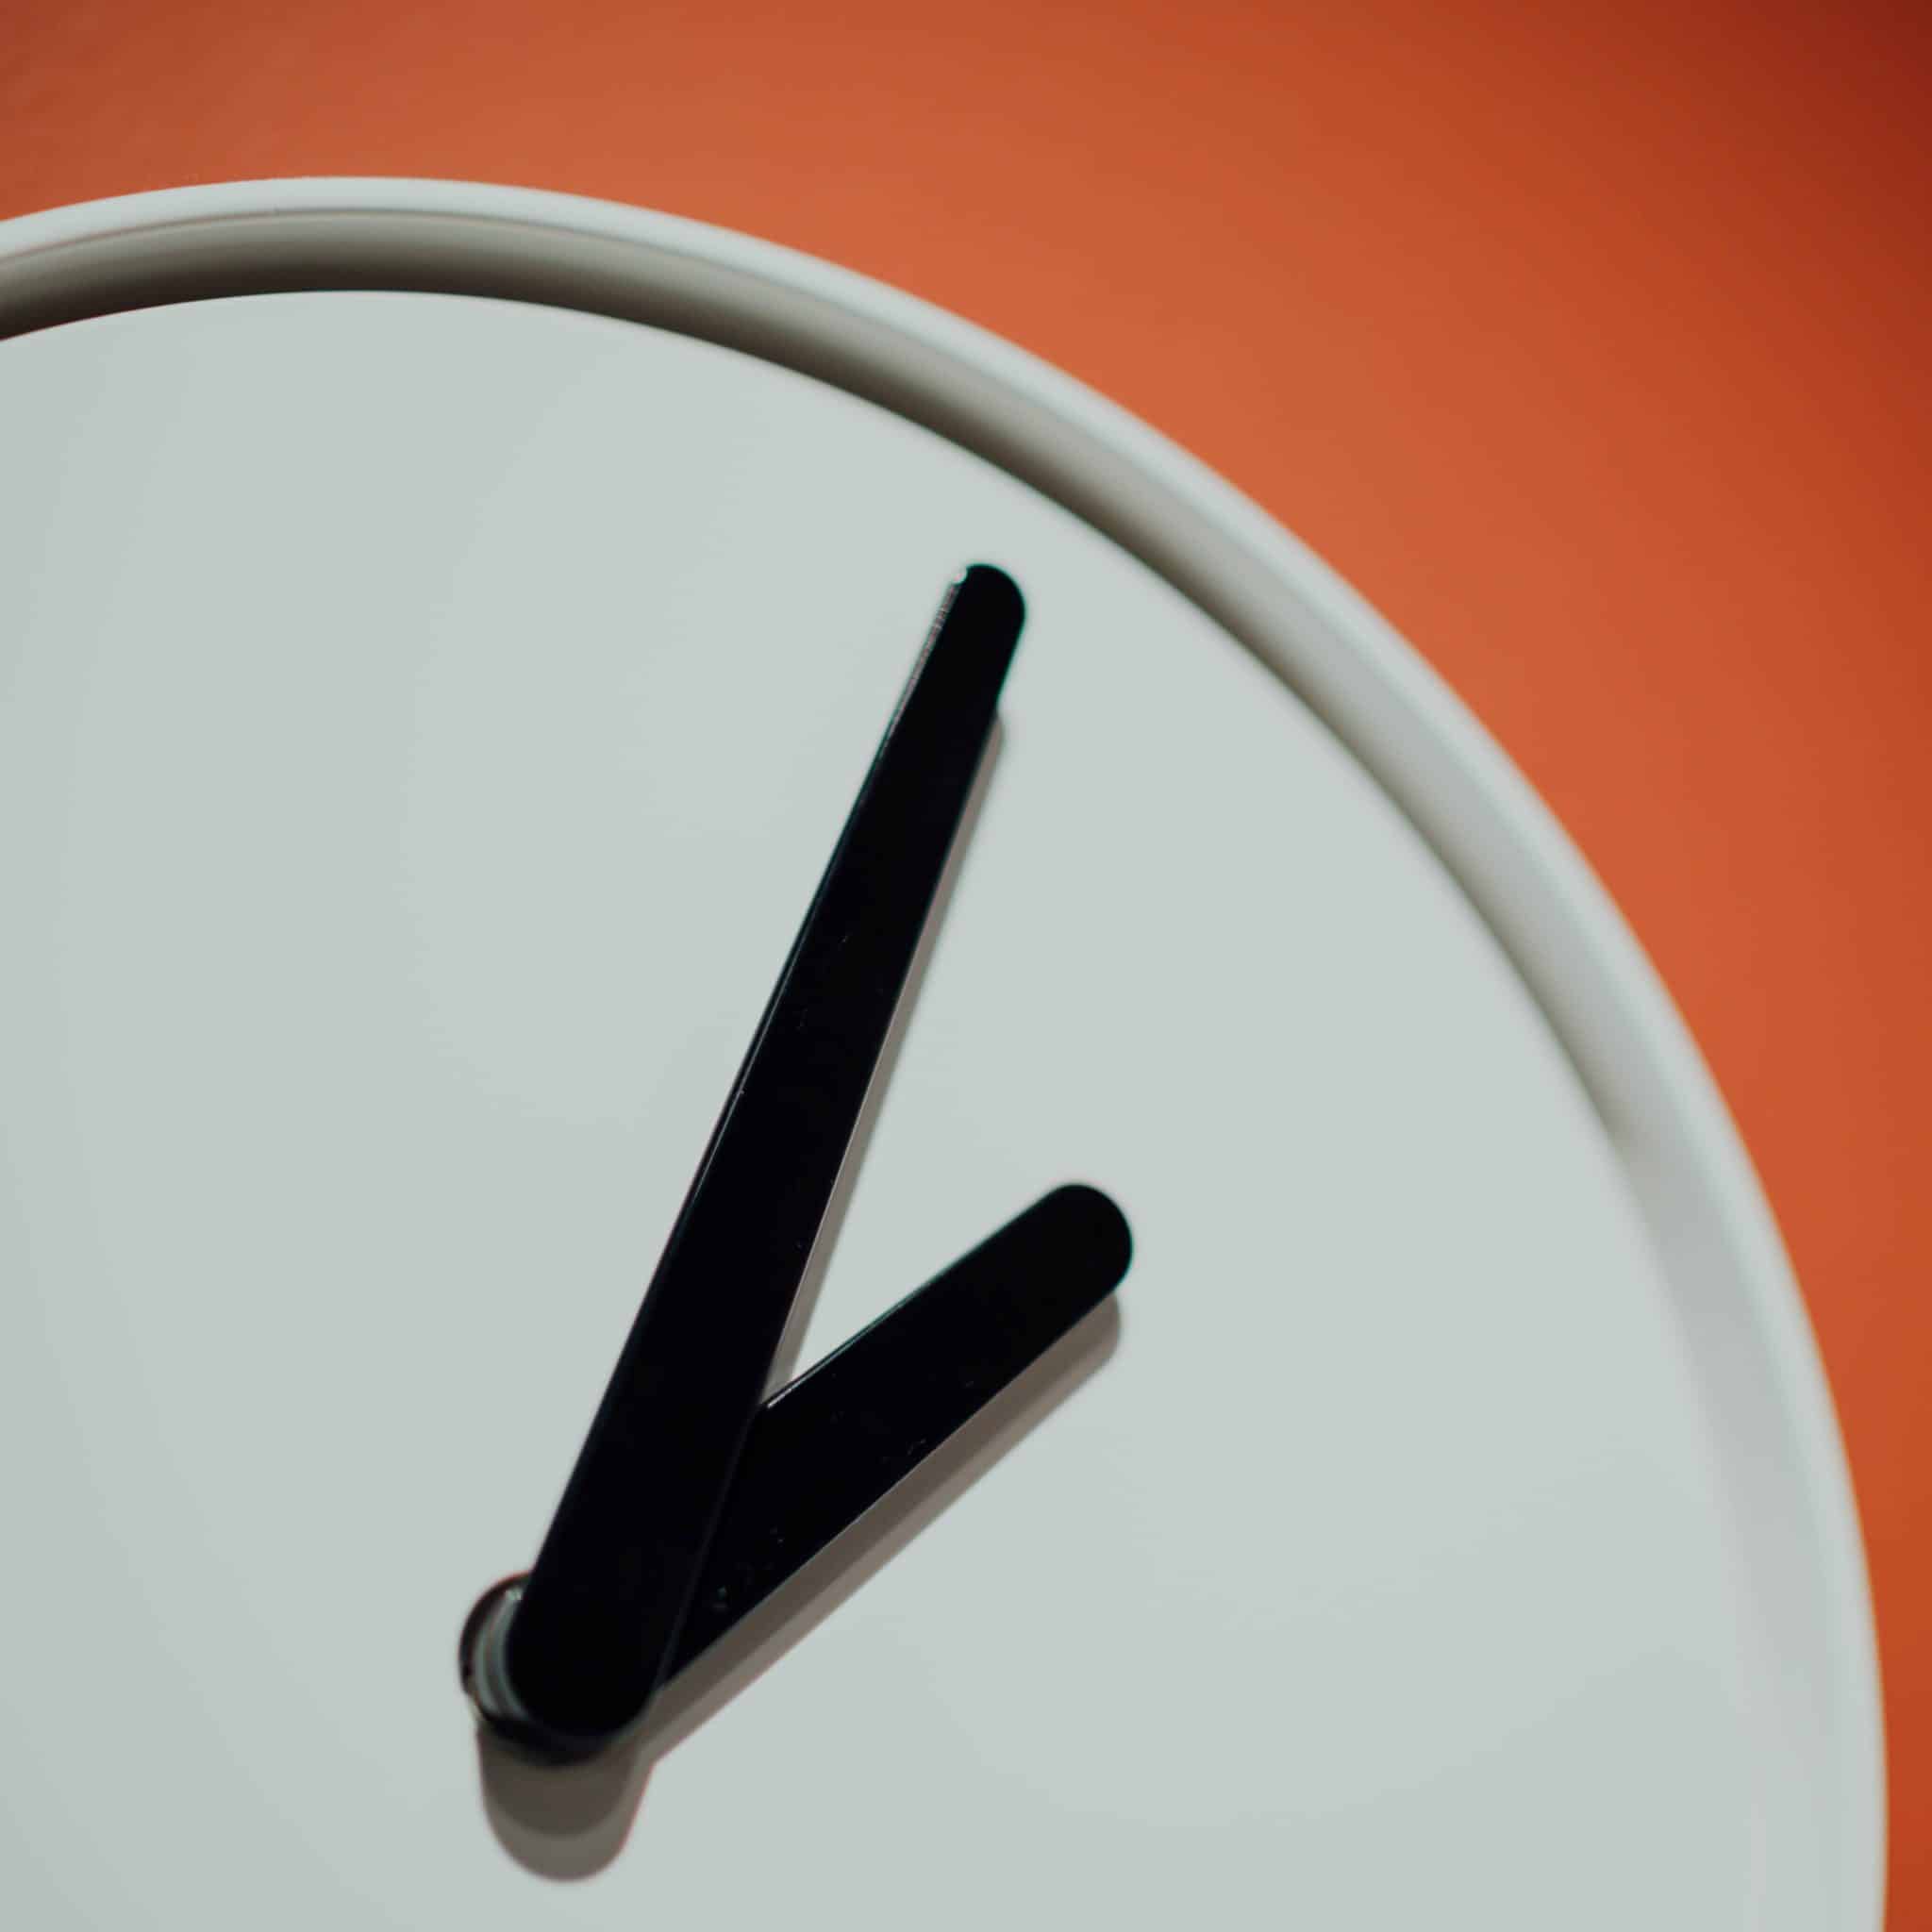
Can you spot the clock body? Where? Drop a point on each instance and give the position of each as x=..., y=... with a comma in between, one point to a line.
x=440, y=632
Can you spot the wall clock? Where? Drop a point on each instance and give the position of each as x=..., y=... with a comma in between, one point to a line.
x=444, y=632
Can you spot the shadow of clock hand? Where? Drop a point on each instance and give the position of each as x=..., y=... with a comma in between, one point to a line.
x=569, y=1822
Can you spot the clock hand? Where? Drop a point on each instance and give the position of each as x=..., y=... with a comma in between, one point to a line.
x=828, y=1446
x=599, y=1615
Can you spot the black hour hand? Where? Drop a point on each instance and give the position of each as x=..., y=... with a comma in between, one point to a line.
x=831, y=1444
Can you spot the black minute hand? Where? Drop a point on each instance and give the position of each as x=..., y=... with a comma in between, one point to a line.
x=600, y=1614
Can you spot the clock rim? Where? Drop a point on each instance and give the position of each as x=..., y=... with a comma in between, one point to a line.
x=1704, y=1209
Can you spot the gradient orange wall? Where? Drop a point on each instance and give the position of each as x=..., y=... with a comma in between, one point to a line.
x=1590, y=342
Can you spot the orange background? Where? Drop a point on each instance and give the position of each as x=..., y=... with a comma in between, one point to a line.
x=1587, y=340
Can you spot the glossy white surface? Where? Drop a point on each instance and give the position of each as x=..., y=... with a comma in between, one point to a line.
x=424, y=723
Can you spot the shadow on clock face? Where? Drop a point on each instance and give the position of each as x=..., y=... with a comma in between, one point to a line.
x=569, y=1822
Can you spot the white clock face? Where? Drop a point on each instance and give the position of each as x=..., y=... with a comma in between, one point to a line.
x=424, y=720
